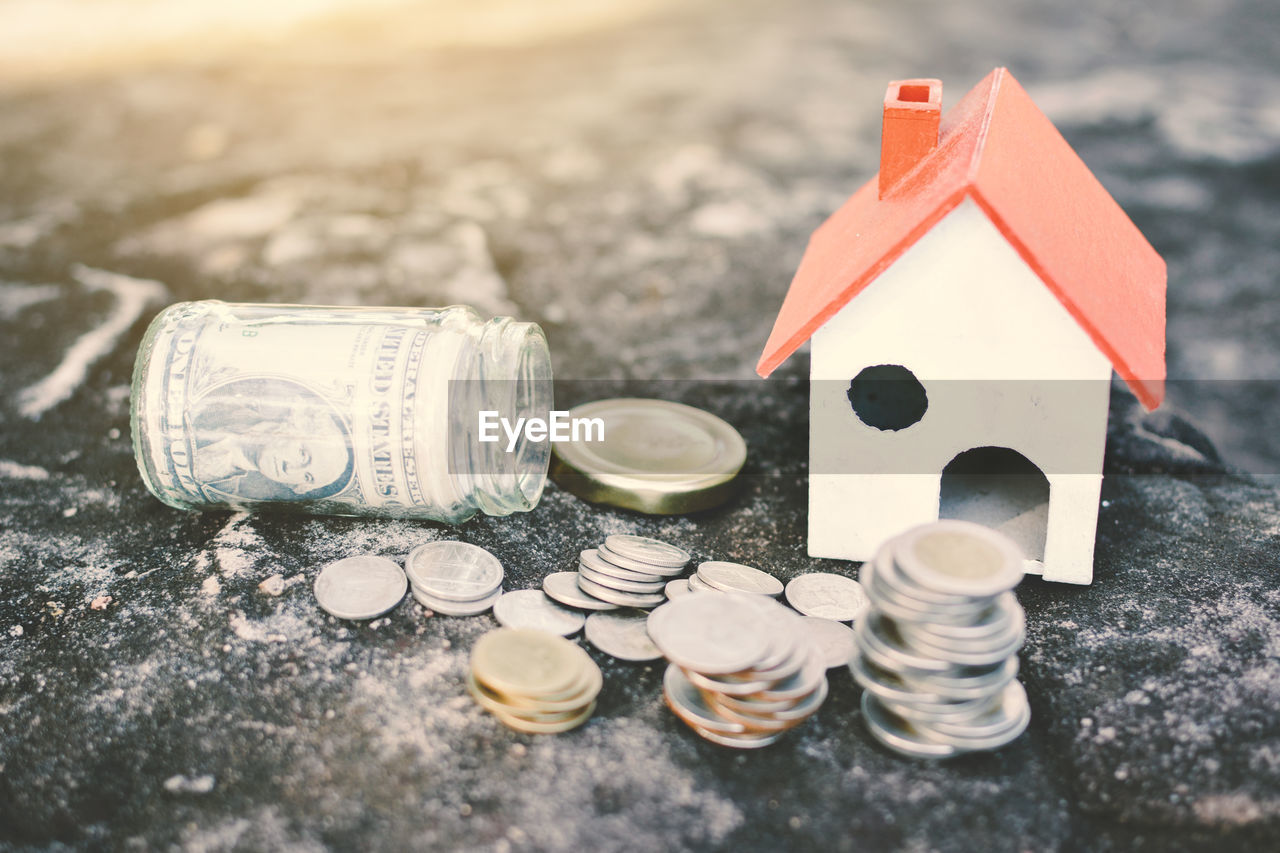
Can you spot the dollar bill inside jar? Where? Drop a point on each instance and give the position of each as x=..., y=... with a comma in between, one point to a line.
x=334, y=410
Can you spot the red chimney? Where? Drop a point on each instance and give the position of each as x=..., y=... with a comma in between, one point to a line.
x=912, y=110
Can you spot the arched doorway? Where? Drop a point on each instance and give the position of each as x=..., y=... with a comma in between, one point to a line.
x=999, y=488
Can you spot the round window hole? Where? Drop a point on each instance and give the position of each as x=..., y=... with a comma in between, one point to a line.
x=888, y=397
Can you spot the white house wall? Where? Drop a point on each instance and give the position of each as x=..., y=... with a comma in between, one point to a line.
x=1003, y=364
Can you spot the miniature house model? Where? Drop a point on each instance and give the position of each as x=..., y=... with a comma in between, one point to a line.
x=966, y=308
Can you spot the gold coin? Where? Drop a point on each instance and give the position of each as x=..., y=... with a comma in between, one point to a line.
x=496, y=706
x=587, y=689
x=527, y=662
x=533, y=728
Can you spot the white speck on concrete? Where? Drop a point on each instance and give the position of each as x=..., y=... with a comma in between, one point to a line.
x=133, y=296
x=15, y=471
x=189, y=784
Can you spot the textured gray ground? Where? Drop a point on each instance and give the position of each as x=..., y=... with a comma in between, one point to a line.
x=644, y=192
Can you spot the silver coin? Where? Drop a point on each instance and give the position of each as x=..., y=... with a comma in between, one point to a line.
x=622, y=599
x=650, y=588
x=563, y=587
x=738, y=741
x=689, y=705
x=622, y=562
x=530, y=608
x=725, y=685
x=783, y=634
x=712, y=634
x=899, y=735
x=879, y=640
x=964, y=654
x=959, y=558
x=360, y=587
x=835, y=640
x=622, y=635
x=591, y=559
x=735, y=577
x=453, y=571
x=696, y=584
x=799, y=709
x=827, y=596
x=646, y=550
x=1004, y=722
x=677, y=588
x=803, y=682
x=456, y=608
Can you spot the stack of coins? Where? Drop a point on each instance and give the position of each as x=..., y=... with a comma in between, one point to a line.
x=937, y=651
x=743, y=670
x=454, y=578
x=628, y=571
x=533, y=681
x=719, y=576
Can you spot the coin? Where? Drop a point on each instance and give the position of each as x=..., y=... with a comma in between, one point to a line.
x=592, y=559
x=453, y=571
x=360, y=587
x=677, y=588
x=835, y=640
x=526, y=662
x=960, y=558
x=735, y=577
x=696, y=584
x=646, y=550
x=536, y=728
x=738, y=741
x=572, y=699
x=649, y=588
x=563, y=587
x=900, y=735
x=828, y=596
x=687, y=703
x=620, y=562
x=530, y=608
x=456, y=608
x=622, y=599
x=713, y=634
x=622, y=635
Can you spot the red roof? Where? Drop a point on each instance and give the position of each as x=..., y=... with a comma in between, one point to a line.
x=997, y=148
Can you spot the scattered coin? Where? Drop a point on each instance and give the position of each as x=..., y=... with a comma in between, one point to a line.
x=531, y=608
x=361, y=587
x=453, y=571
x=623, y=635
x=623, y=599
x=645, y=588
x=456, y=608
x=696, y=584
x=735, y=577
x=827, y=596
x=677, y=588
x=646, y=550
x=592, y=559
x=709, y=633
x=835, y=640
x=563, y=587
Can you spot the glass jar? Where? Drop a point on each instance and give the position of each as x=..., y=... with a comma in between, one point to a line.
x=339, y=411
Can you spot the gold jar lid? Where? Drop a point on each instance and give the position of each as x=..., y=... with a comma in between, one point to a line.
x=655, y=456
